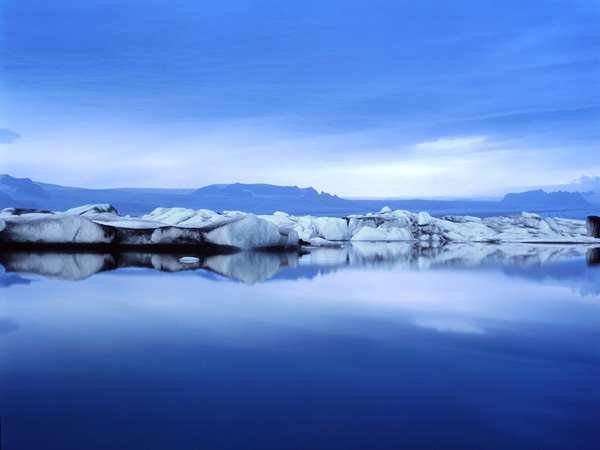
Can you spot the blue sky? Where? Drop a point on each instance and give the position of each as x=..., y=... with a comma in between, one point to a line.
x=378, y=98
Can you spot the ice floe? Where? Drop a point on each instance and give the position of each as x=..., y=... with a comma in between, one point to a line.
x=388, y=225
x=102, y=224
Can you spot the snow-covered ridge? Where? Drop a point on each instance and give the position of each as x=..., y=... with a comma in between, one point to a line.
x=102, y=224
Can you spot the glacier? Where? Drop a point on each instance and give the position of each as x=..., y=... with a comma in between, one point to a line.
x=103, y=225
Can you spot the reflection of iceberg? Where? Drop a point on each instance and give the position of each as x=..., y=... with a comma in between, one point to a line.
x=256, y=266
x=572, y=273
x=66, y=266
x=11, y=279
x=564, y=265
x=402, y=254
x=593, y=256
x=248, y=267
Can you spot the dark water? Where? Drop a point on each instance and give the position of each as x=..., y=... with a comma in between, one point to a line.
x=376, y=347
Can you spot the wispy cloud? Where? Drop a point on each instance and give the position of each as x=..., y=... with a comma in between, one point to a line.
x=8, y=137
x=452, y=145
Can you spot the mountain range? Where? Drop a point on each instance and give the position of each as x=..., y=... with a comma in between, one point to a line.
x=266, y=199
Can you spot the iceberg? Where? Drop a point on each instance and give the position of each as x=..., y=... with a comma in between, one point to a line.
x=592, y=225
x=396, y=226
x=248, y=231
x=54, y=229
x=102, y=224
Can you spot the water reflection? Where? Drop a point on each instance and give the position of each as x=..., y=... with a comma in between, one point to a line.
x=593, y=256
x=248, y=267
x=368, y=346
x=257, y=266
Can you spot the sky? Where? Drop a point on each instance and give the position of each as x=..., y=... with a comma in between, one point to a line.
x=385, y=98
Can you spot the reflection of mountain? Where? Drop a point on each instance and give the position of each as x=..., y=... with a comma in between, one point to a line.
x=557, y=262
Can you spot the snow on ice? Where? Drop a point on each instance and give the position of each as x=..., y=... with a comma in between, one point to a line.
x=102, y=224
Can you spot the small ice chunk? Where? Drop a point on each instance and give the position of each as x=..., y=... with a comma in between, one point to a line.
x=92, y=209
x=528, y=215
x=320, y=242
x=188, y=260
x=423, y=218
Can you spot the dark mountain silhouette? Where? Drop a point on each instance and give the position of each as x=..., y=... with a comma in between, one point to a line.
x=22, y=186
x=261, y=190
x=541, y=197
x=256, y=198
x=267, y=198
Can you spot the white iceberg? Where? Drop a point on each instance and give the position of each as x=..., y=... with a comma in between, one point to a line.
x=249, y=231
x=102, y=224
x=51, y=228
x=388, y=225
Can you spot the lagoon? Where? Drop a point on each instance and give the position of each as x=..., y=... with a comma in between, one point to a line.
x=370, y=346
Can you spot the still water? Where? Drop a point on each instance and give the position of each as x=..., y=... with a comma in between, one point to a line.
x=364, y=347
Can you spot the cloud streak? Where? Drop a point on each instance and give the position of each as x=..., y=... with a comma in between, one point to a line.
x=452, y=145
x=8, y=136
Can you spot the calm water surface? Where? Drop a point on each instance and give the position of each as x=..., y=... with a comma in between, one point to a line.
x=365, y=348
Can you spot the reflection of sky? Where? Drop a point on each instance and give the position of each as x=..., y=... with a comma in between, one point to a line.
x=475, y=358
x=10, y=279
x=403, y=98
x=575, y=274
